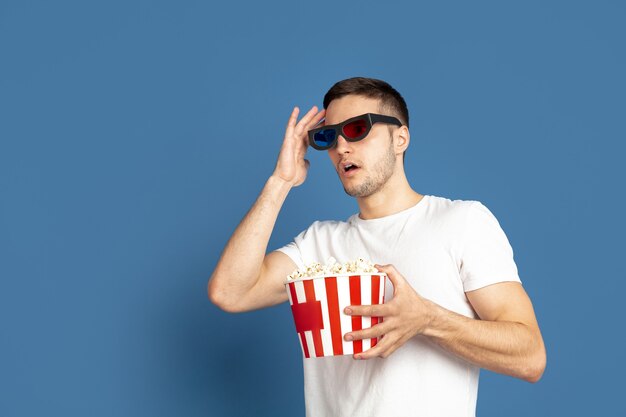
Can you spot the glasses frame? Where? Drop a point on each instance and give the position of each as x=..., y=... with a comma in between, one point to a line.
x=370, y=119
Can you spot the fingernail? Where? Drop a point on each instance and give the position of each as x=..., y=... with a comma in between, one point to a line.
x=348, y=310
x=349, y=337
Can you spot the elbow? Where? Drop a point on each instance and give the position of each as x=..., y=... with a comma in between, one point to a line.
x=227, y=308
x=218, y=297
x=214, y=298
x=219, y=302
x=535, y=368
x=534, y=377
x=211, y=290
x=213, y=294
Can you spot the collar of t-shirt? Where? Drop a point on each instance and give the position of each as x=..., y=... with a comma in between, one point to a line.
x=390, y=219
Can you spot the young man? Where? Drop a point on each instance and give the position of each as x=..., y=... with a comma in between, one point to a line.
x=456, y=304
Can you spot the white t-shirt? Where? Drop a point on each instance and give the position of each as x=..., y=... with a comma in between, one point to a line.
x=443, y=248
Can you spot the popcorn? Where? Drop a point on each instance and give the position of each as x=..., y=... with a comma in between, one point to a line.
x=332, y=267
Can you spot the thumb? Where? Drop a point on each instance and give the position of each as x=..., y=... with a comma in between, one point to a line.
x=393, y=274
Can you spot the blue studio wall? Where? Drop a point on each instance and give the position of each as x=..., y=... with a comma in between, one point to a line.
x=135, y=135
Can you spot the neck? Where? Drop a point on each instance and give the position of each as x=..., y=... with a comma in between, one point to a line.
x=395, y=196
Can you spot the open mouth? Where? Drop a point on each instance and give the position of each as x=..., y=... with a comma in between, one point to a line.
x=349, y=168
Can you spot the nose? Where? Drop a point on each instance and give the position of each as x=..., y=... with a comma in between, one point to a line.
x=342, y=145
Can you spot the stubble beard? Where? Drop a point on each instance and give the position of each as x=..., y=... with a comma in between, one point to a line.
x=377, y=178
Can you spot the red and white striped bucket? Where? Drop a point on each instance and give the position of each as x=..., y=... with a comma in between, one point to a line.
x=317, y=305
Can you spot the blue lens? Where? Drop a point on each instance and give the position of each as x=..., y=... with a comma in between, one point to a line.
x=324, y=138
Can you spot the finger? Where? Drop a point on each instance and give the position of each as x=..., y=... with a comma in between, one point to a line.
x=316, y=119
x=387, y=267
x=394, y=276
x=291, y=123
x=385, y=347
x=293, y=117
x=370, y=353
x=306, y=119
x=306, y=123
x=375, y=331
x=391, y=345
x=305, y=141
x=379, y=310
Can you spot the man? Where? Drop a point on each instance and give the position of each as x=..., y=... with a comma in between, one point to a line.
x=457, y=303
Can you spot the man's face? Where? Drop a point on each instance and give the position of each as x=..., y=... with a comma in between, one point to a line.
x=374, y=156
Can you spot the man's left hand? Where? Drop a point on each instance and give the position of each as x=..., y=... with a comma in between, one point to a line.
x=405, y=316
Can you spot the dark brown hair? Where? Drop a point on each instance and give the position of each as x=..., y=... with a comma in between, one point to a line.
x=390, y=101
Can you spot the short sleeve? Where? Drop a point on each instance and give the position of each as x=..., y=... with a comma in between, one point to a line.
x=299, y=246
x=487, y=256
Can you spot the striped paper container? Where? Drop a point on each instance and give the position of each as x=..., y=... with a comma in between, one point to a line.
x=317, y=305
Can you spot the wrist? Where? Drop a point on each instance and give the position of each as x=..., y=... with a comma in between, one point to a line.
x=435, y=322
x=279, y=183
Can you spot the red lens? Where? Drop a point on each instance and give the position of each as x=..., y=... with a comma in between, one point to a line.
x=356, y=129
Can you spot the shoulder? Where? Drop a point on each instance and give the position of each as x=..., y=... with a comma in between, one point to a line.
x=453, y=209
x=327, y=224
x=323, y=226
x=457, y=216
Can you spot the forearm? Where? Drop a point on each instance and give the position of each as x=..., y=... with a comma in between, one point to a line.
x=240, y=263
x=505, y=347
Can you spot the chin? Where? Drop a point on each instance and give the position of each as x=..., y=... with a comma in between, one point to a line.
x=354, y=193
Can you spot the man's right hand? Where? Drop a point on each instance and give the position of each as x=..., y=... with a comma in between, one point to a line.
x=291, y=166
x=245, y=278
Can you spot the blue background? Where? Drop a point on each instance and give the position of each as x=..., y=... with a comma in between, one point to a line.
x=136, y=135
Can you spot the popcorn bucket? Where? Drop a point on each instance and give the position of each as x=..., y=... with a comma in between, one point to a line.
x=317, y=305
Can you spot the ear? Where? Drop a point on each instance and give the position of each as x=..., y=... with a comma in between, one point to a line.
x=402, y=139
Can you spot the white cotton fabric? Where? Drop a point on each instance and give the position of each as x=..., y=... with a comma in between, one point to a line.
x=443, y=248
